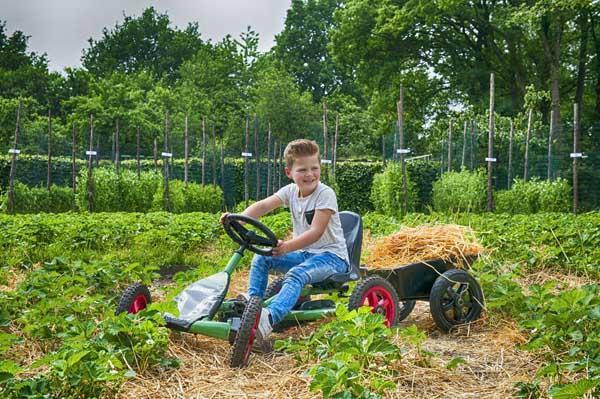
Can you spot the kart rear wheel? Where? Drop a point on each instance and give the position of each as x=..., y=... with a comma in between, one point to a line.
x=242, y=344
x=380, y=295
x=135, y=298
x=456, y=298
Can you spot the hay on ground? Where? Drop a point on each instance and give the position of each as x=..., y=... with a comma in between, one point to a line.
x=422, y=243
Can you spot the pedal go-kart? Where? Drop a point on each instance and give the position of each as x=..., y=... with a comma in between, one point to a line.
x=455, y=296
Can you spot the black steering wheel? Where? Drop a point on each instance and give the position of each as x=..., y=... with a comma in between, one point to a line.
x=249, y=238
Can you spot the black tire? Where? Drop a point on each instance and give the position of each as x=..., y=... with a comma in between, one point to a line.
x=406, y=307
x=455, y=299
x=274, y=287
x=380, y=290
x=135, y=298
x=242, y=344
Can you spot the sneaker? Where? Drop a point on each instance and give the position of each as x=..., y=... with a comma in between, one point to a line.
x=265, y=328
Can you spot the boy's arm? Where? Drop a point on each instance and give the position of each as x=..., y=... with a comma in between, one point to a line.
x=312, y=235
x=263, y=207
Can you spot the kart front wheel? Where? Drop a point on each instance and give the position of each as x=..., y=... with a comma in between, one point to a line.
x=377, y=293
x=134, y=299
x=242, y=344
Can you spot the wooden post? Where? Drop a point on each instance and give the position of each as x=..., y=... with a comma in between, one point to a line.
x=395, y=145
x=549, y=177
x=214, y=157
x=400, y=109
x=167, y=202
x=280, y=163
x=49, y=174
x=73, y=159
x=155, y=154
x=526, y=167
x=13, y=163
x=490, y=158
x=510, y=151
x=203, y=150
x=256, y=158
x=90, y=178
x=247, y=139
x=472, y=144
x=185, y=152
x=325, y=156
x=275, y=147
x=335, y=141
x=575, y=156
x=117, y=152
x=137, y=152
x=442, y=159
x=269, y=161
x=464, y=147
x=222, y=161
x=383, y=149
x=450, y=146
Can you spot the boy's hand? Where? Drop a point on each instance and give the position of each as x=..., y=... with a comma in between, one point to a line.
x=223, y=216
x=281, y=248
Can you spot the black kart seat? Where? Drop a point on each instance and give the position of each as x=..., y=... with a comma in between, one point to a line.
x=353, y=233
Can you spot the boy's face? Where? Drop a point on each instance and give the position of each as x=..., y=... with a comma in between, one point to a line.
x=305, y=172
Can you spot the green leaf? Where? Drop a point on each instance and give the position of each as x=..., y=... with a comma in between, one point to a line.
x=452, y=364
x=574, y=390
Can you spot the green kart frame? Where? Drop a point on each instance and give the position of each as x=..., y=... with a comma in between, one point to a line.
x=455, y=297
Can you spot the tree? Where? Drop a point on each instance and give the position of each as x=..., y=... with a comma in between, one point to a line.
x=145, y=43
x=302, y=49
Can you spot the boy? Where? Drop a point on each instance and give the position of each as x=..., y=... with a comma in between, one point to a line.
x=317, y=249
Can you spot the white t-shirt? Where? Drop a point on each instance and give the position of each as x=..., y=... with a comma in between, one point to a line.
x=303, y=209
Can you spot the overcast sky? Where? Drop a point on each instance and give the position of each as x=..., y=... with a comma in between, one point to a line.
x=61, y=28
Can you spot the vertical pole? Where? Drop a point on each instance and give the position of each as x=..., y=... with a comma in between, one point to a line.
x=117, y=154
x=510, y=151
x=214, y=157
x=155, y=154
x=490, y=193
x=442, y=159
x=13, y=163
x=383, y=149
x=90, y=178
x=275, y=147
x=575, y=157
x=185, y=152
x=549, y=177
x=450, y=146
x=256, y=158
x=280, y=165
x=247, y=139
x=400, y=109
x=395, y=146
x=526, y=167
x=472, y=144
x=269, y=161
x=464, y=147
x=325, y=156
x=167, y=204
x=203, y=150
x=49, y=174
x=335, y=140
x=137, y=152
x=73, y=153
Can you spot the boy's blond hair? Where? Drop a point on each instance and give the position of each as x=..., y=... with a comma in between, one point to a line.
x=300, y=148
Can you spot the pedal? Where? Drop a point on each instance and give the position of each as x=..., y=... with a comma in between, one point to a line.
x=317, y=304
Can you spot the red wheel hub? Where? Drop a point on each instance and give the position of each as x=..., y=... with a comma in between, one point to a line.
x=139, y=303
x=251, y=338
x=380, y=300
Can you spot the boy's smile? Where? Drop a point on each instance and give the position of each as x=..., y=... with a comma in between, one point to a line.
x=305, y=172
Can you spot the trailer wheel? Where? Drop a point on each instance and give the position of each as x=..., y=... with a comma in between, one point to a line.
x=380, y=295
x=455, y=299
x=242, y=344
x=135, y=298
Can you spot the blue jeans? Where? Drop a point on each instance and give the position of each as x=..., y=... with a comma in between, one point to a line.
x=300, y=268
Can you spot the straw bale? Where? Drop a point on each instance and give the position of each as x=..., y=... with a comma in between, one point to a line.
x=423, y=243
